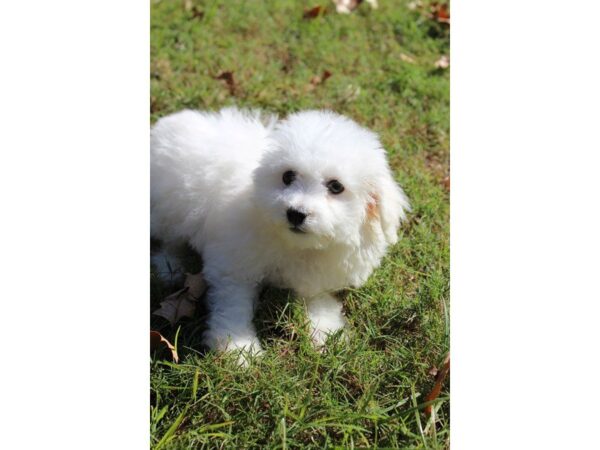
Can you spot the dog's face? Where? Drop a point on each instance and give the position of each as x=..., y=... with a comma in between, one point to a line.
x=325, y=180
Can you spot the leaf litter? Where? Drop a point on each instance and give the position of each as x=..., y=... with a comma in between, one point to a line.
x=314, y=12
x=439, y=381
x=227, y=76
x=183, y=303
x=160, y=343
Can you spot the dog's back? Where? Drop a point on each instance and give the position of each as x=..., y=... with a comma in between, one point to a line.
x=199, y=162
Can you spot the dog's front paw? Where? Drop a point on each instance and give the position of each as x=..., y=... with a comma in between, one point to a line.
x=319, y=336
x=246, y=348
x=326, y=318
x=323, y=326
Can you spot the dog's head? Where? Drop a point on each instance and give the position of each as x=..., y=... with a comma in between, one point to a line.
x=326, y=180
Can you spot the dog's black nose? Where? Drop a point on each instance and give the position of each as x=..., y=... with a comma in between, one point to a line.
x=295, y=217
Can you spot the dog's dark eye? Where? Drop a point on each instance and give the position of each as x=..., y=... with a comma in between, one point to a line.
x=335, y=187
x=289, y=177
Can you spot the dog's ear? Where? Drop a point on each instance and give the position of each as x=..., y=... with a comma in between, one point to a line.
x=388, y=205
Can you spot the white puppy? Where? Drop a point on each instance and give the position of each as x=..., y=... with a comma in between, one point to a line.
x=307, y=203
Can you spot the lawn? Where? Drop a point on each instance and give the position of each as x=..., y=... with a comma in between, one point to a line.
x=378, y=67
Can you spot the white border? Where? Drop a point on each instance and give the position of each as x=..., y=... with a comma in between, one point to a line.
x=525, y=224
x=74, y=199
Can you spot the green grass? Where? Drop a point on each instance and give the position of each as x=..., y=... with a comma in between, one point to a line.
x=370, y=391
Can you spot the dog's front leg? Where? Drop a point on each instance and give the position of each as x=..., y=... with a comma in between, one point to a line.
x=231, y=309
x=325, y=315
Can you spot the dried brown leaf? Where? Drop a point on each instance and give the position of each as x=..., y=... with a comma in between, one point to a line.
x=196, y=285
x=314, y=12
x=440, y=13
x=437, y=11
x=183, y=302
x=159, y=342
x=319, y=79
x=197, y=13
x=176, y=306
x=439, y=380
x=229, y=81
x=446, y=183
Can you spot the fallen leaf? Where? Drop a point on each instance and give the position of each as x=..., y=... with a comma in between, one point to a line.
x=183, y=302
x=439, y=380
x=446, y=183
x=313, y=12
x=317, y=80
x=196, y=284
x=440, y=13
x=443, y=62
x=159, y=342
x=197, y=13
x=325, y=76
x=229, y=81
x=176, y=306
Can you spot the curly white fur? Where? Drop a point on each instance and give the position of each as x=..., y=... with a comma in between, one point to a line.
x=217, y=185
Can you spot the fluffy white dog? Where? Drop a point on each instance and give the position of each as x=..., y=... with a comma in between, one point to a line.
x=307, y=203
